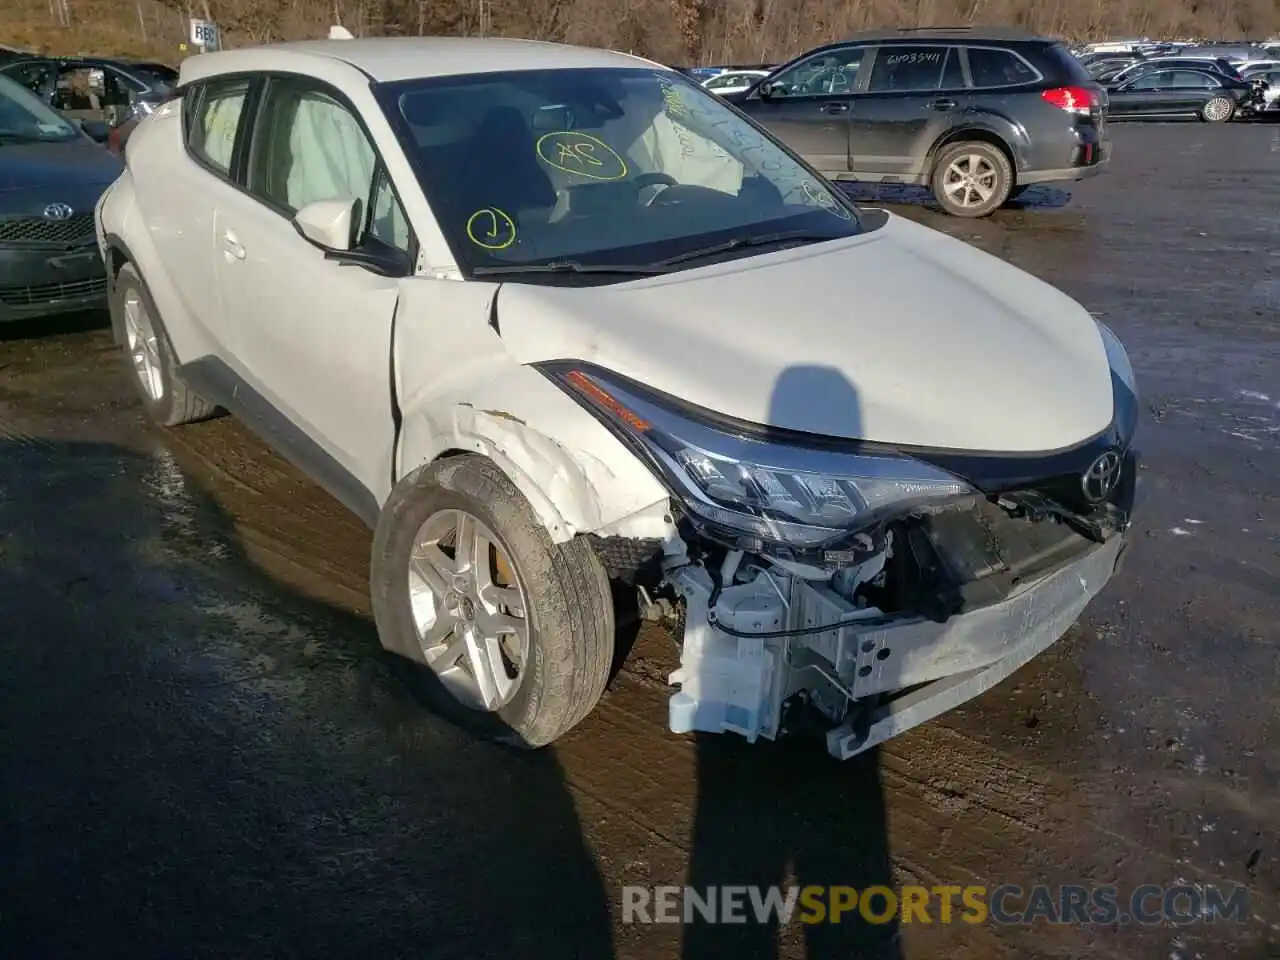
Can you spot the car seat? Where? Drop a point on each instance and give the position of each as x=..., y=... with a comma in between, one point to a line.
x=503, y=169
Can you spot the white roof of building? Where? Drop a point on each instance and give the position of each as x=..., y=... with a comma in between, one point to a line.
x=404, y=58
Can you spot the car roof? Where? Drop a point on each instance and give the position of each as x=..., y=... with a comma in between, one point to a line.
x=952, y=33
x=385, y=59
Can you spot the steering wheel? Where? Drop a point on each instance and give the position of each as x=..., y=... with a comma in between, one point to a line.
x=663, y=180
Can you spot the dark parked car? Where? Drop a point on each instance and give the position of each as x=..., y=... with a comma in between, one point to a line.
x=94, y=88
x=51, y=176
x=1182, y=92
x=1218, y=65
x=975, y=114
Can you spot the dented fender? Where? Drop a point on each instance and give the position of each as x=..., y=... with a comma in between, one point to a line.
x=458, y=388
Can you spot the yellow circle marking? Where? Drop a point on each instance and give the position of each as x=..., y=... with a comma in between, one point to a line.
x=491, y=228
x=580, y=154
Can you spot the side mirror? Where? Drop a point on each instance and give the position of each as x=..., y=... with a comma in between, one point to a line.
x=329, y=224
x=96, y=130
x=767, y=90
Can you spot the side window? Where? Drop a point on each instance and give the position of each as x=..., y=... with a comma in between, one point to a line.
x=998, y=68
x=724, y=80
x=1152, y=81
x=309, y=147
x=907, y=69
x=213, y=121
x=829, y=73
x=36, y=77
x=952, y=73
x=1190, y=80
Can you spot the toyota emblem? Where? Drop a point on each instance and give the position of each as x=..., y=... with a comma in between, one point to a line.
x=57, y=211
x=1099, y=481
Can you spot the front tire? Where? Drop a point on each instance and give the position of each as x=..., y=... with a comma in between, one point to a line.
x=971, y=179
x=168, y=400
x=1218, y=110
x=513, y=634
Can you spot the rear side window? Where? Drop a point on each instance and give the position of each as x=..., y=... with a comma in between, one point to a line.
x=1190, y=80
x=906, y=69
x=212, y=124
x=1066, y=69
x=998, y=68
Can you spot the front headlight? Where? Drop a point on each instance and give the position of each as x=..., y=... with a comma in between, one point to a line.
x=779, y=493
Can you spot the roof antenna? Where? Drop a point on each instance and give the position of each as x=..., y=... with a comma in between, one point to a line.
x=339, y=32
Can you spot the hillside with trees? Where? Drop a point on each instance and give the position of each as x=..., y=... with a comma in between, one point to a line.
x=678, y=32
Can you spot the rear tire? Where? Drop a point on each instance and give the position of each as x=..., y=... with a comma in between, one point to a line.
x=1218, y=110
x=971, y=179
x=436, y=605
x=168, y=400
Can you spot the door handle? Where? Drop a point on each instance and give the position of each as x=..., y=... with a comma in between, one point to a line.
x=944, y=103
x=231, y=246
x=834, y=108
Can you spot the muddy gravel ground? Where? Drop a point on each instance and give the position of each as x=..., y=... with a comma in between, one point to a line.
x=203, y=752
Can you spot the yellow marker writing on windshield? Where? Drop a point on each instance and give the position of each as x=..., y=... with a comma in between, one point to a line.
x=820, y=198
x=491, y=228
x=581, y=154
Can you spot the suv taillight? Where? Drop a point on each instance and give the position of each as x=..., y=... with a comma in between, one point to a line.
x=1079, y=100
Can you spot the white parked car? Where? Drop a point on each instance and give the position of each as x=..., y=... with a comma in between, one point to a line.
x=734, y=81
x=573, y=325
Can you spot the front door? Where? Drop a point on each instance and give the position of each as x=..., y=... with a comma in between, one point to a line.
x=313, y=336
x=808, y=107
x=913, y=95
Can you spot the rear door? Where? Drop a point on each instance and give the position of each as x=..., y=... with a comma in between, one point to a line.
x=809, y=104
x=1191, y=89
x=913, y=95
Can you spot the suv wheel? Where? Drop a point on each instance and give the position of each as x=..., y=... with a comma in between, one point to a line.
x=1217, y=110
x=168, y=400
x=971, y=179
x=515, y=633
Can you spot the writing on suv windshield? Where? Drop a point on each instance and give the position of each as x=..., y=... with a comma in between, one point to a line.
x=606, y=168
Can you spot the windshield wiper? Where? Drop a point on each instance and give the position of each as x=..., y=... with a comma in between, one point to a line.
x=567, y=266
x=739, y=243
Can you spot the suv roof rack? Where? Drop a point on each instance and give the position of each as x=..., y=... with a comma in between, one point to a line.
x=970, y=31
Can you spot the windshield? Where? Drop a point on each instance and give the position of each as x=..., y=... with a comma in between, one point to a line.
x=602, y=167
x=24, y=117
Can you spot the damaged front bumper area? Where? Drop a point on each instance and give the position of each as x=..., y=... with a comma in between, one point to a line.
x=771, y=650
x=859, y=588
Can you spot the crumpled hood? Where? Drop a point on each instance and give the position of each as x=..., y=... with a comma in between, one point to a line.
x=902, y=336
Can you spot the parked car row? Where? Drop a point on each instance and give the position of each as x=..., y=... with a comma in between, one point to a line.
x=1215, y=82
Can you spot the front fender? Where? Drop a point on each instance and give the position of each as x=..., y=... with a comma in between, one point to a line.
x=459, y=389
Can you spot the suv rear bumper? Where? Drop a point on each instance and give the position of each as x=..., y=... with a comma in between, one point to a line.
x=1063, y=173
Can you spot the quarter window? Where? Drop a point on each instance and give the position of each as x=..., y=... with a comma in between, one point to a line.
x=906, y=69
x=211, y=132
x=998, y=68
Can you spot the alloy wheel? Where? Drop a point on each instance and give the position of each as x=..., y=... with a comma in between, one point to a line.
x=468, y=609
x=144, y=348
x=970, y=180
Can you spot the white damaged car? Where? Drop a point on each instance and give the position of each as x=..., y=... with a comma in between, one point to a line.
x=568, y=328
